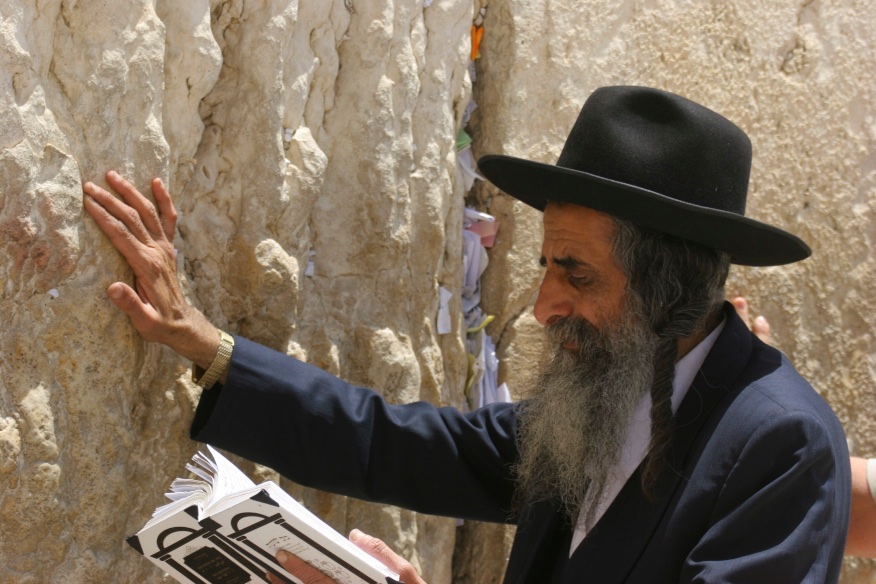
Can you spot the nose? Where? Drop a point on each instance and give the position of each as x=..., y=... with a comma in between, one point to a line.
x=552, y=303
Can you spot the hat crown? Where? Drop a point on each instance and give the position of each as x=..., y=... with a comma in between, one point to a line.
x=660, y=161
x=663, y=143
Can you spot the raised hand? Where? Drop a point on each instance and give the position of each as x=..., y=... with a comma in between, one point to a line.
x=144, y=237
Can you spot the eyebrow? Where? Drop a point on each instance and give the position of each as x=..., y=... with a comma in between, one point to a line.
x=566, y=262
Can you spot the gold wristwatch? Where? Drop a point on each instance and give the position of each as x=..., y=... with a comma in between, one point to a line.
x=220, y=363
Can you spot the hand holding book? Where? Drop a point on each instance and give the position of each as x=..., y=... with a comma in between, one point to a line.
x=224, y=529
x=373, y=546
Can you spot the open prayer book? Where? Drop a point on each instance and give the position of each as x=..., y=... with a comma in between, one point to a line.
x=222, y=528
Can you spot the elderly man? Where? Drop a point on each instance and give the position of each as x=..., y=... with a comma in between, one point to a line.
x=661, y=442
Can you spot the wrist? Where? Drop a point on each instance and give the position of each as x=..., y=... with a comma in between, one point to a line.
x=194, y=338
x=218, y=368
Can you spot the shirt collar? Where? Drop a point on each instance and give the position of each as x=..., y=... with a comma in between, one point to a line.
x=638, y=433
x=639, y=427
x=688, y=366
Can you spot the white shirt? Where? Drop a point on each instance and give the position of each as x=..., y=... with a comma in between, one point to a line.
x=639, y=430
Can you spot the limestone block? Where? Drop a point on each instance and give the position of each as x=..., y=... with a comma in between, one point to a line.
x=310, y=148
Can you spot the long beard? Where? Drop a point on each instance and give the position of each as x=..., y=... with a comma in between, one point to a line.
x=573, y=425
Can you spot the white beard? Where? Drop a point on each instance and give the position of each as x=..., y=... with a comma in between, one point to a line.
x=572, y=427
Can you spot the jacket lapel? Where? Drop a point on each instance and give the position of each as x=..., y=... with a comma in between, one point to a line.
x=611, y=549
x=541, y=532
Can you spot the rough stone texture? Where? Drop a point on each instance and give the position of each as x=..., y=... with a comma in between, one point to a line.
x=288, y=131
x=296, y=131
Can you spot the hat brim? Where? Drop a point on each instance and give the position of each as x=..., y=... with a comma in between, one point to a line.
x=748, y=242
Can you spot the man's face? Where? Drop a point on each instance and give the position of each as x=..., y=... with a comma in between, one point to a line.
x=600, y=364
x=582, y=279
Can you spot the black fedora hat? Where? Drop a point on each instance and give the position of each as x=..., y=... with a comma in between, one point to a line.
x=660, y=161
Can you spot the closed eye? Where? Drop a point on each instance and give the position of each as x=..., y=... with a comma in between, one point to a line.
x=580, y=281
x=578, y=273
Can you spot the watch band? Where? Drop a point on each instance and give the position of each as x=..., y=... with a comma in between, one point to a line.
x=208, y=378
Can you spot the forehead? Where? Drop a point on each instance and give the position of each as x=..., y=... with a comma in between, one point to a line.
x=572, y=231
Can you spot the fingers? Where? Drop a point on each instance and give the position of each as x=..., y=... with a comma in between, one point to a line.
x=114, y=218
x=133, y=215
x=149, y=255
x=380, y=551
x=145, y=209
x=760, y=327
x=166, y=211
x=144, y=317
x=300, y=569
x=157, y=307
x=741, y=306
x=373, y=546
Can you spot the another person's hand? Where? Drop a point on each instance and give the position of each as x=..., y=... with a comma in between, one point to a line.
x=862, y=527
x=373, y=546
x=861, y=540
x=144, y=237
x=759, y=326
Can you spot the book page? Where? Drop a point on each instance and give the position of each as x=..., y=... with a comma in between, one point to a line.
x=227, y=478
x=174, y=507
x=222, y=528
x=261, y=526
x=301, y=512
x=219, y=480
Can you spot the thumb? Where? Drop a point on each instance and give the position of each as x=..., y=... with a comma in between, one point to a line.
x=129, y=302
x=381, y=552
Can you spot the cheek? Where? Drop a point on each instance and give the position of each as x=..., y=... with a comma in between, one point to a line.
x=600, y=309
x=614, y=298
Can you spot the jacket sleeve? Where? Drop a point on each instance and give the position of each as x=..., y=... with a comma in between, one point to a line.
x=782, y=511
x=322, y=432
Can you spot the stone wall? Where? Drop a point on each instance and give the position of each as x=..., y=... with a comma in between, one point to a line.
x=290, y=132
x=310, y=146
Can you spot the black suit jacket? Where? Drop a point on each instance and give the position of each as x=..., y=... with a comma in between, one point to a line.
x=757, y=488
